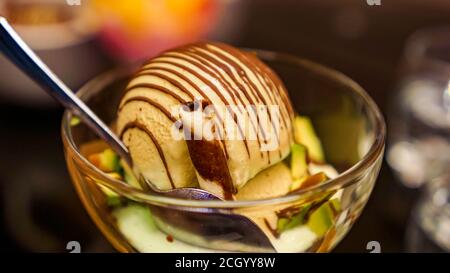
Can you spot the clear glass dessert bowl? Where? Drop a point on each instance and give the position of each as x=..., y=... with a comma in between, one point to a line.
x=314, y=219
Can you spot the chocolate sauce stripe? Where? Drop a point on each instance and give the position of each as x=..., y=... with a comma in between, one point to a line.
x=198, y=89
x=264, y=82
x=184, y=78
x=245, y=65
x=150, y=102
x=153, y=67
x=252, y=102
x=272, y=83
x=199, y=58
x=279, y=86
x=238, y=68
x=228, y=62
x=230, y=74
x=251, y=66
x=240, y=71
x=158, y=88
x=221, y=76
x=272, y=230
x=269, y=87
x=257, y=65
x=145, y=72
x=220, y=64
x=208, y=70
x=137, y=125
x=222, y=79
x=213, y=87
x=285, y=95
x=198, y=76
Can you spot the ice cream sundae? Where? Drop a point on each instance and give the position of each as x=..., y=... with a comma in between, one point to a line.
x=212, y=116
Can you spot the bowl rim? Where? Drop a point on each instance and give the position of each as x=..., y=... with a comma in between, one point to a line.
x=344, y=179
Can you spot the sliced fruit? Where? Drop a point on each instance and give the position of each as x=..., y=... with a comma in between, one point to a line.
x=293, y=221
x=305, y=134
x=308, y=181
x=129, y=176
x=114, y=201
x=112, y=198
x=299, y=165
x=282, y=223
x=323, y=218
x=107, y=161
x=74, y=121
x=137, y=224
x=93, y=147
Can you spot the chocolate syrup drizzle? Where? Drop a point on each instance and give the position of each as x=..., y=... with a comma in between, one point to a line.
x=152, y=103
x=137, y=125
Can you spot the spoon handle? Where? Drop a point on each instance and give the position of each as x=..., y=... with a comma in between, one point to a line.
x=17, y=51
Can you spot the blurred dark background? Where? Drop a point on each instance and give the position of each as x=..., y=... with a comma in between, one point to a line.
x=39, y=207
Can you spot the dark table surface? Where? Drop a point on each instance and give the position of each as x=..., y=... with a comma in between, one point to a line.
x=40, y=209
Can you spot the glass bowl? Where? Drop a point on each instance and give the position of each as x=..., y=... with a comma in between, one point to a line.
x=346, y=119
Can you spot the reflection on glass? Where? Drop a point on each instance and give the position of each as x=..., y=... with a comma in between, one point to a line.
x=429, y=229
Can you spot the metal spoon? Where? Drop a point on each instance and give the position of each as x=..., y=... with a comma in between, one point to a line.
x=16, y=50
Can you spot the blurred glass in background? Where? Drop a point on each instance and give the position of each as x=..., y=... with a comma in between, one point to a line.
x=429, y=229
x=419, y=120
x=419, y=137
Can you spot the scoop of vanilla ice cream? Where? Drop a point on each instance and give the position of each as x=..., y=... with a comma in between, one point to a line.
x=174, y=141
